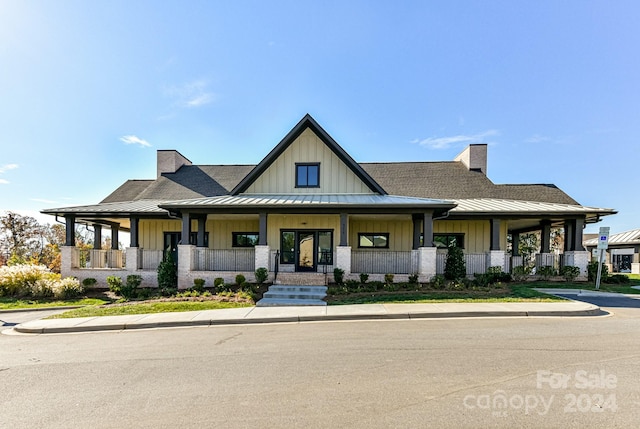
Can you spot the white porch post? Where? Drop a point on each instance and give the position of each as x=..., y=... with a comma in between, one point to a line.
x=132, y=258
x=578, y=259
x=262, y=256
x=66, y=260
x=426, y=262
x=185, y=265
x=343, y=259
x=496, y=258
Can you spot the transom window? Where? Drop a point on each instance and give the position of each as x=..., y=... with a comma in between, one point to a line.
x=448, y=240
x=378, y=240
x=245, y=239
x=308, y=175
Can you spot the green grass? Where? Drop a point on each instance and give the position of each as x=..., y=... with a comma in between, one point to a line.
x=512, y=293
x=8, y=303
x=604, y=287
x=149, y=308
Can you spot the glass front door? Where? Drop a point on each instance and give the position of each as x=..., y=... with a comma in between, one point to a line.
x=306, y=251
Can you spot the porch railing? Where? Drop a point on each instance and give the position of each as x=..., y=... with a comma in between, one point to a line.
x=96, y=258
x=224, y=259
x=383, y=262
x=474, y=262
x=150, y=259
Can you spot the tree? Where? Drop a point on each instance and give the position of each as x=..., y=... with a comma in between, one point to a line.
x=454, y=268
x=21, y=236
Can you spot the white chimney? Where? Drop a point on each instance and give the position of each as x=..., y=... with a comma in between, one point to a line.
x=474, y=157
x=169, y=161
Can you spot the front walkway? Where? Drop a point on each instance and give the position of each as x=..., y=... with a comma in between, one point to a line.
x=251, y=315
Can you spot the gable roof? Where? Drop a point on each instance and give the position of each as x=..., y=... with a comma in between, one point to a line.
x=308, y=122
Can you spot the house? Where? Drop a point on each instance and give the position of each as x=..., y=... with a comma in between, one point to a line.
x=309, y=207
x=623, y=253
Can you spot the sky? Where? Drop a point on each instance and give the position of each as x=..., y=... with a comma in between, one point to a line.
x=90, y=90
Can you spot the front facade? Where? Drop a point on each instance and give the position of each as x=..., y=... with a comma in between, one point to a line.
x=308, y=208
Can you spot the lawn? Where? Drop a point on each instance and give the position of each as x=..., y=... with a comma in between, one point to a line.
x=9, y=303
x=149, y=308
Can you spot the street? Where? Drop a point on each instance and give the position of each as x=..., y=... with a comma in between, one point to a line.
x=579, y=372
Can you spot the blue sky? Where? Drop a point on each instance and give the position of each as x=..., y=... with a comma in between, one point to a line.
x=89, y=90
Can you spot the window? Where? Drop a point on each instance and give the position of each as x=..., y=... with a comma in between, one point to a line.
x=325, y=247
x=308, y=175
x=287, y=247
x=245, y=239
x=379, y=240
x=448, y=240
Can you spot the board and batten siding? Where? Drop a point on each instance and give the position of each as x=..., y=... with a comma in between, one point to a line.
x=276, y=223
x=335, y=176
x=151, y=232
x=400, y=232
x=477, y=234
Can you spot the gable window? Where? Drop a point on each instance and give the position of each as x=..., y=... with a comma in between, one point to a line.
x=308, y=175
x=378, y=240
x=445, y=241
x=245, y=239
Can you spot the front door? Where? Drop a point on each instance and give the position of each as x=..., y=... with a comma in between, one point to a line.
x=171, y=241
x=306, y=260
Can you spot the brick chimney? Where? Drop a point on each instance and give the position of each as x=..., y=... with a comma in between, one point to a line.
x=474, y=157
x=169, y=161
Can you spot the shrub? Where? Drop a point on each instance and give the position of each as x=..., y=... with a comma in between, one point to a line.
x=570, y=272
x=198, y=285
x=262, y=274
x=240, y=280
x=89, y=282
x=352, y=285
x=115, y=284
x=413, y=278
x=218, y=281
x=68, y=288
x=338, y=275
x=520, y=273
x=438, y=281
x=391, y=287
x=546, y=272
x=592, y=271
x=617, y=279
x=167, y=274
x=364, y=277
x=19, y=280
x=388, y=279
x=454, y=267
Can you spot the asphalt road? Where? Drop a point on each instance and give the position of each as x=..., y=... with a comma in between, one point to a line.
x=463, y=373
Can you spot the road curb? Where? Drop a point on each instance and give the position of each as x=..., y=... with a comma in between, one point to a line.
x=40, y=326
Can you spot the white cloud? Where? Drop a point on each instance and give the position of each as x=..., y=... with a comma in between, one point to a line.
x=8, y=167
x=537, y=138
x=41, y=200
x=135, y=140
x=459, y=140
x=4, y=182
x=191, y=94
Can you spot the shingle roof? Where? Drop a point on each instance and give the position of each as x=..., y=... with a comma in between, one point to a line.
x=435, y=180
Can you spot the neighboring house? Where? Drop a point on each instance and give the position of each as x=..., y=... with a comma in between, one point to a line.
x=308, y=207
x=623, y=254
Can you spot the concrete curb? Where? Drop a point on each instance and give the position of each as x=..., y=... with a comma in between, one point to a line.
x=249, y=315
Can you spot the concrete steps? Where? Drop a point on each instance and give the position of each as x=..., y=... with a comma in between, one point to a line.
x=301, y=279
x=287, y=295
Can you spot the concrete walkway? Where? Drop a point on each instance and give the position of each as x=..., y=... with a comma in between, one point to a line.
x=247, y=315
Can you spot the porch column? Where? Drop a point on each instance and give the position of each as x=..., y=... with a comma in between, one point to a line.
x=416, y=231
x=343, y=259
x=577, y=235
x=186, y=228
x=427, y=263
x=515, y=244
x=70, y=231
x=545, y=236
x=569, y=234
x=115, y=228
x=262, y=233
x=185, y=264
x=427, y=229
x=133, y=231
x=495, y=234
x=97, y=236
x=261, y=256
x=202, y=223
x=344, y=230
